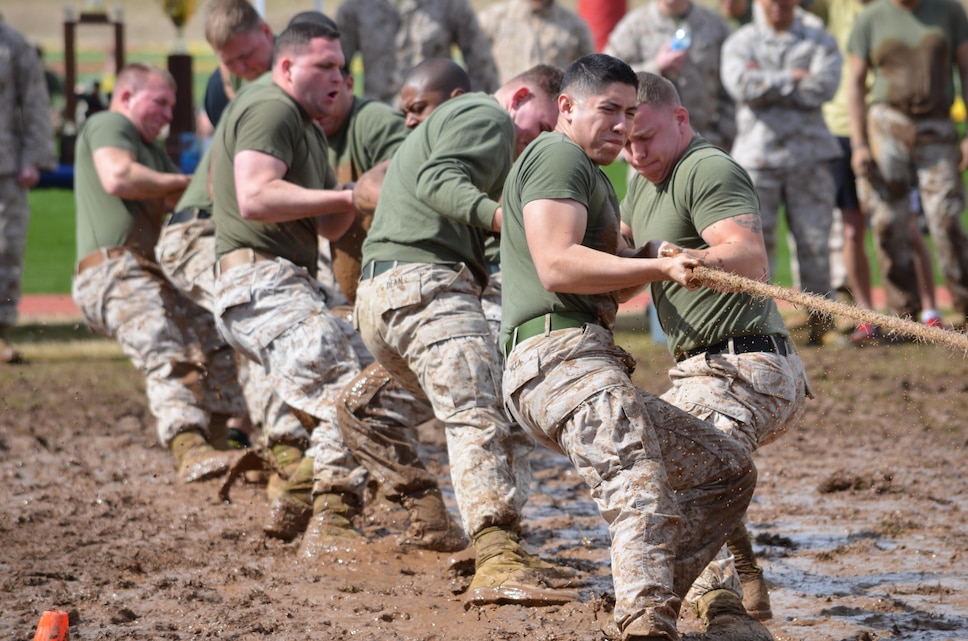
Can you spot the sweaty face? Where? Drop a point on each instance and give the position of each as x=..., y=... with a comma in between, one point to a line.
x=417, y=103
x=314, y=76
x=150, y=107
x=659, y=136
x=599, y=123
x=248, y=55
x=535, y=114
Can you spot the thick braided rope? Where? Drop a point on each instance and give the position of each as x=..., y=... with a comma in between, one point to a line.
x=717, y=279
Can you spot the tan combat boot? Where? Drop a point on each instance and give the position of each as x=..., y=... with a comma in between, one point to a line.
x=331, y=527
x=506, y=573
x=756, y=595
x=197, y=459
x=284, y=459
x=292, y=504
x=431, y=527
x=722, y=614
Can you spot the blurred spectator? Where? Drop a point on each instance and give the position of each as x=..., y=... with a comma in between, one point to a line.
x=55, y=84
x=907, y=133
x=681, y=40
x=89, y=102
x=242, y=42
x=602, y=16
x=392, y=36
x=525, y=33
x=781, y=69
x=27, y=144
x=849, y=259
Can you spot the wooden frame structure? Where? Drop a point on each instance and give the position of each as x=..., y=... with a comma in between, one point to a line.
x=70, y=50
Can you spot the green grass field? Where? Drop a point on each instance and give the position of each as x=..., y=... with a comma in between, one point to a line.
x=49, y=262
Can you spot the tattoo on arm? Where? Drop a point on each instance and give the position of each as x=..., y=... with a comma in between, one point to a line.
x=752, y=222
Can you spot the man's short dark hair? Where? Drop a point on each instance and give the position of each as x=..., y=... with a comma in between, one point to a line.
x=438, y=74
x=546, y=78
x=314, y=17
x=297, y=36
x=656, y=91
x=591, y=74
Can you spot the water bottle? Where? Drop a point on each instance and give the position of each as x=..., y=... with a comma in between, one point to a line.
x=190, y=152
x=682, y=39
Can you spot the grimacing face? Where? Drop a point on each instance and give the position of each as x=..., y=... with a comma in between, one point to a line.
x=150, y=107
x=659, y=136
x=418, y=103
x=600, y=123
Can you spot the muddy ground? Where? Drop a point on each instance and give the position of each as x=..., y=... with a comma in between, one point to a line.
x=861, y=518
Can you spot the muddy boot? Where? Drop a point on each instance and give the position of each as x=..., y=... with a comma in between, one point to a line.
x=722, y=614
x=506, y=573
x=431, y=527
x=611, y=632
x=197, y=459
x=292, y=504
x=756, y=596
x=331, y=527
x=8, y=354
x=284, y=459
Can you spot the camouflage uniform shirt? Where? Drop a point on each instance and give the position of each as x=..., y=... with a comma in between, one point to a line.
x=779, y=121
x=522, y=38
x=26, y=138
x=26, y=133
x=639, y=37
x=394, y=35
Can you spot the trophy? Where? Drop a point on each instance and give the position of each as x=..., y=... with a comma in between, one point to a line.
x=180, y=12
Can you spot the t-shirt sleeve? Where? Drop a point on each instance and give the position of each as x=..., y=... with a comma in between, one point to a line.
x=113, y=132
x=718, y=189
x=383, y=130
x=559, y=172
x=859, y=43
x=269, y=127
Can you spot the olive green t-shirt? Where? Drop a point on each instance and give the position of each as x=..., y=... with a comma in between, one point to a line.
x=911, y=53
x=104, y=220
x=440, y=193
x=371, y=134
x=196, y=194
x=705, y=187
x=268, y=120
x=553, y=167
